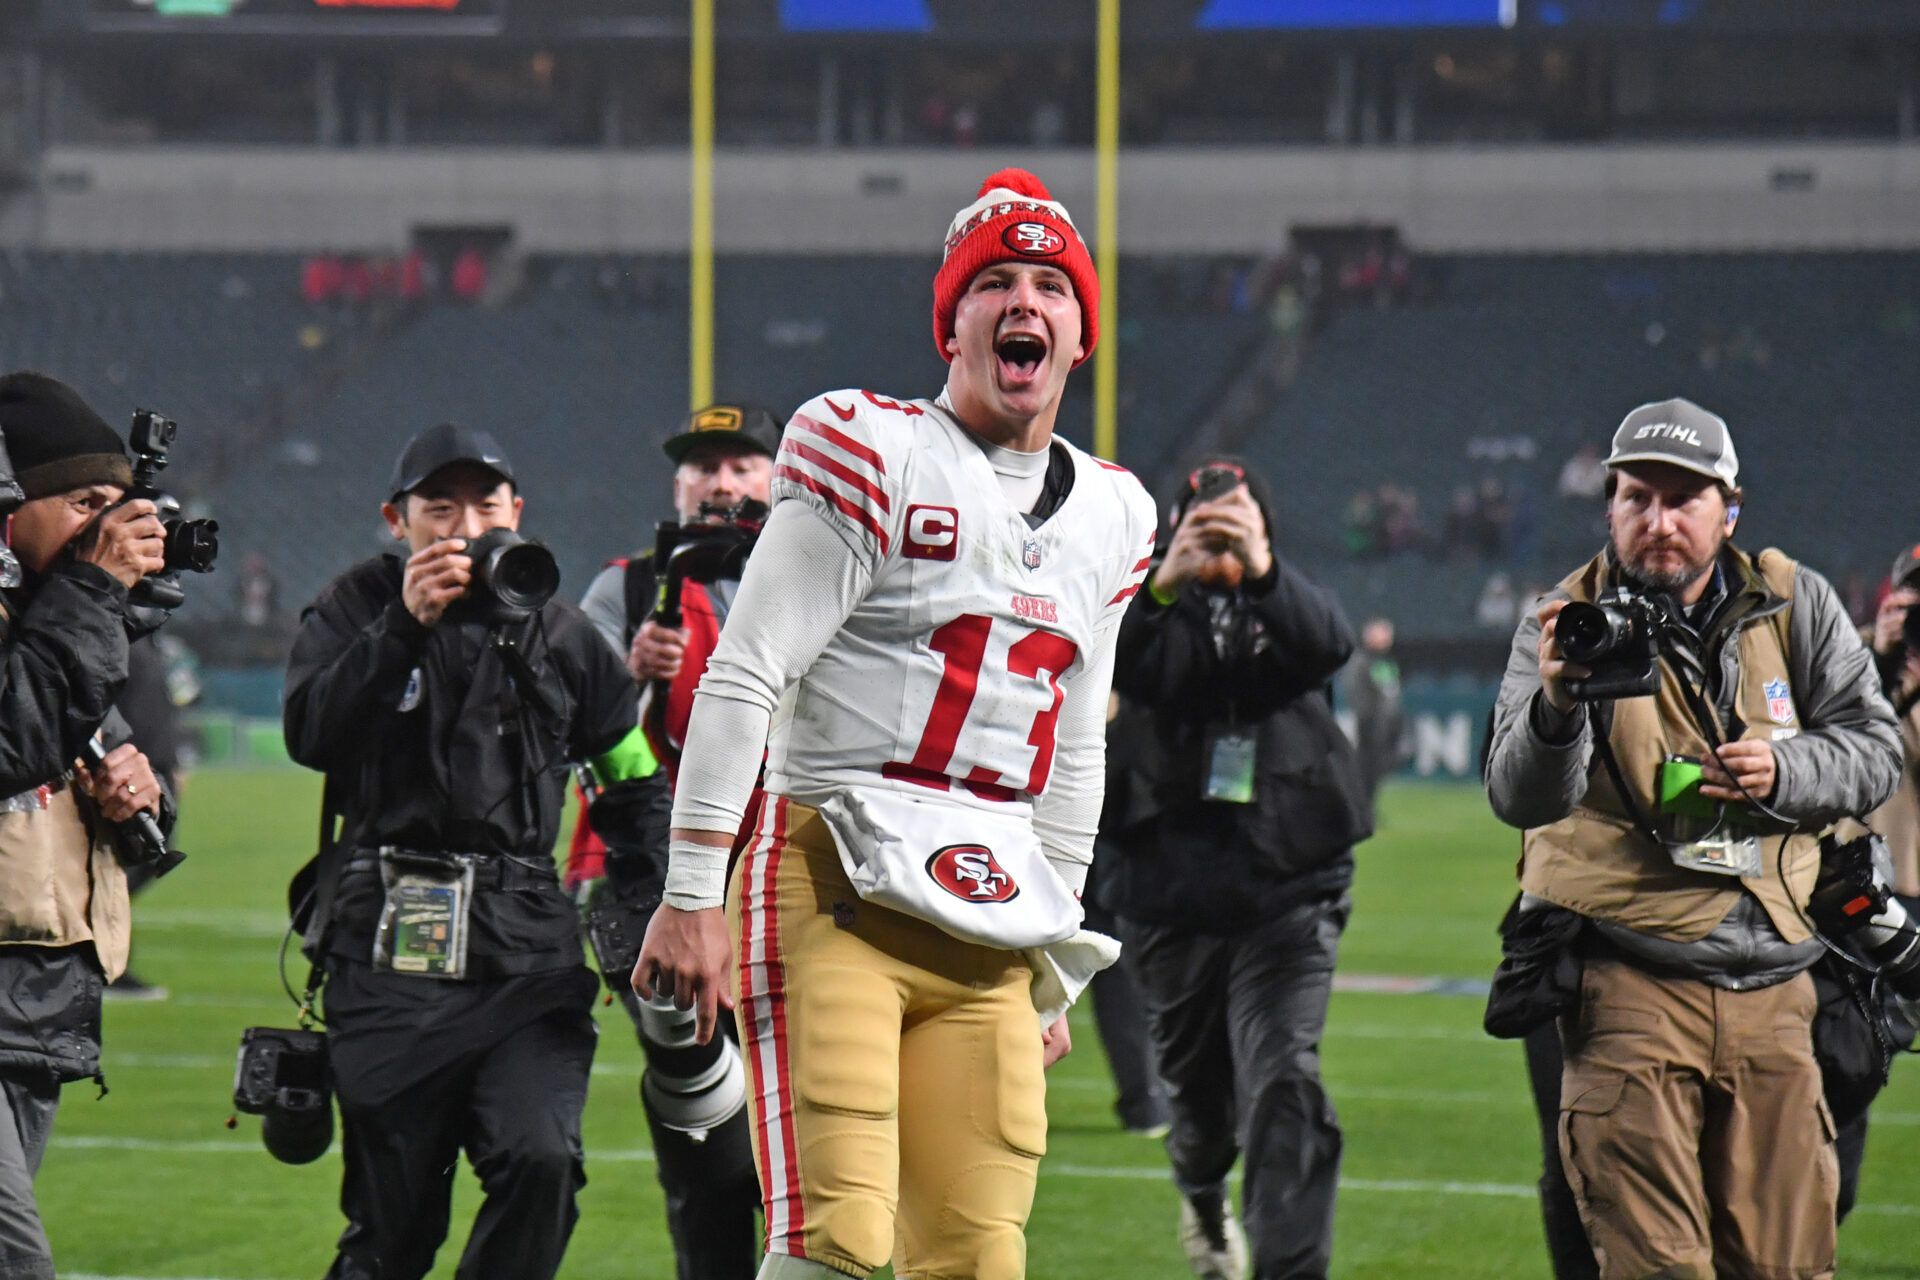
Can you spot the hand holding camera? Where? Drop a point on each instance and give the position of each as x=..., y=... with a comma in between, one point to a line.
x=434, y=578
x=122, y=784
x=129, y=542
x=656, y=652
x=1229, y=524
x=1890, y=623
x=1555, y=670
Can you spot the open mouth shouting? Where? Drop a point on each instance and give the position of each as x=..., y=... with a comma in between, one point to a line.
x=1021, y=356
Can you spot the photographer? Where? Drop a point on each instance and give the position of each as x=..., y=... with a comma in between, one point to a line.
x=64, y=918
x=444, y=721
x=694, y=1096
x=1897, y=658
x=1672, y=790
x=1234, y=806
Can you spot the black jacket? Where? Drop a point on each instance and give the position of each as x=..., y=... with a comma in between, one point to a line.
x=63, y=660
x=428, y=745
x=1260, y=658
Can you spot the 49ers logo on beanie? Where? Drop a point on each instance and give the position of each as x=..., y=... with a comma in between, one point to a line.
x=1014, y=219
x=1035, y=239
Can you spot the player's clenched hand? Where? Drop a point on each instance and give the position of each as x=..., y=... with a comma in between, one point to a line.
x=686, y=957
x=656, y=652
x=1056, y=1042
x=434, y=578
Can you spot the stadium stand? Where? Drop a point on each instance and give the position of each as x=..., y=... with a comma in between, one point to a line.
x=1518, y=360
x=1498, y=369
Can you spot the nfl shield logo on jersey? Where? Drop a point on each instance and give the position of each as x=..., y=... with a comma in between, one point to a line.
x=1030, y=553
x=1779, y=701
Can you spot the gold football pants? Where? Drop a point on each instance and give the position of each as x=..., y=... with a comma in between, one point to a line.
x=897, y=1096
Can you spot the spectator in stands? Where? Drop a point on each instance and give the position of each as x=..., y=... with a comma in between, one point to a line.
x=1362, y=535
x=1236, y=803
x=414, y=283
x=1584, y=475
x=321, y=276
x=256, y=592
x=1461, y=538
x=356, y=282
x=1400, y=526
x=468, y=279
x=1498, y=606
x=1495, y=511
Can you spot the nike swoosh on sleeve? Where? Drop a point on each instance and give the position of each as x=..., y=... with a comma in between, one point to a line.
x=845, y=415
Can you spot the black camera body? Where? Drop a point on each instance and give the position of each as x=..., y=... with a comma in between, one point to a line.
x=1851, y=901
x=1910, y=629
x=283, y=1077
x=1618, y=638
x=190, y=544
x=706, y=551
x=513, y=578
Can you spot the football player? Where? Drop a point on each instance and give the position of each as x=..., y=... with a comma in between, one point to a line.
x=924, y=641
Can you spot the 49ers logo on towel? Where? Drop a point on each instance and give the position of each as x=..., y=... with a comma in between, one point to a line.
x=1036, y=239
x=968, y=872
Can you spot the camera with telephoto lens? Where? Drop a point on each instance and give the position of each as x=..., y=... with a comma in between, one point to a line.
x=1852, y=901
x=512, y=577
x=1617, y=637
x=190, y=544
x=282, y=1076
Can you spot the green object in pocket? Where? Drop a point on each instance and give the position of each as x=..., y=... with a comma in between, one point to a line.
x=1678, y=785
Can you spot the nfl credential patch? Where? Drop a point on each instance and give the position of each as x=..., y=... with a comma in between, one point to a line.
x=1779, y=701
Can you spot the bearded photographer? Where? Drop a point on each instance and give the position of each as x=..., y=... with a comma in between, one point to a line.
x=694, y=1095
x=443, y=693
x=75, y=551
x=1233, y=807
x=1672, y=790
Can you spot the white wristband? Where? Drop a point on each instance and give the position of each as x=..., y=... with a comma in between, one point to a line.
x=696, y=876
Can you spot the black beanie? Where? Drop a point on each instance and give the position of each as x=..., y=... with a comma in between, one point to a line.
x=56, y=442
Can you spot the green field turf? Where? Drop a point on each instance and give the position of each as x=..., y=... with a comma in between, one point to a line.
x=1441, y=1149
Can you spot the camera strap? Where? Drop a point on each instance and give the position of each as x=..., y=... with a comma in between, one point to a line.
x=1604, y=749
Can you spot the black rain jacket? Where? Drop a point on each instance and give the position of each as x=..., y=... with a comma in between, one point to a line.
x=428, y=745
x=1260, y=659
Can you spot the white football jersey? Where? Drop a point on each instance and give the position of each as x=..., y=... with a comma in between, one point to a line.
x=947, y=676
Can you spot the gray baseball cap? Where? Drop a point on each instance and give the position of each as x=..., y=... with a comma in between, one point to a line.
x=1679, y=433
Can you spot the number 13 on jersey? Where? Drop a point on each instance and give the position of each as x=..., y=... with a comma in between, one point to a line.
x=963, y=645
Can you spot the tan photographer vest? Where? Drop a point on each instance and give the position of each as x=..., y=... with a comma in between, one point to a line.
x=60, y=883
x=1594, y=862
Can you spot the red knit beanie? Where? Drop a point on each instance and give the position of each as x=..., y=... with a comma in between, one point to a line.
x=1014, y=220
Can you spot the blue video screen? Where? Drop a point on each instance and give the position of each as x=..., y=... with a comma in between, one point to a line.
x=1244, y=15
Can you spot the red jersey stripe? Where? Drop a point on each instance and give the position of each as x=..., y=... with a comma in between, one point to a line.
x=839, y=500
x=841, y=440
x=839, y=470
